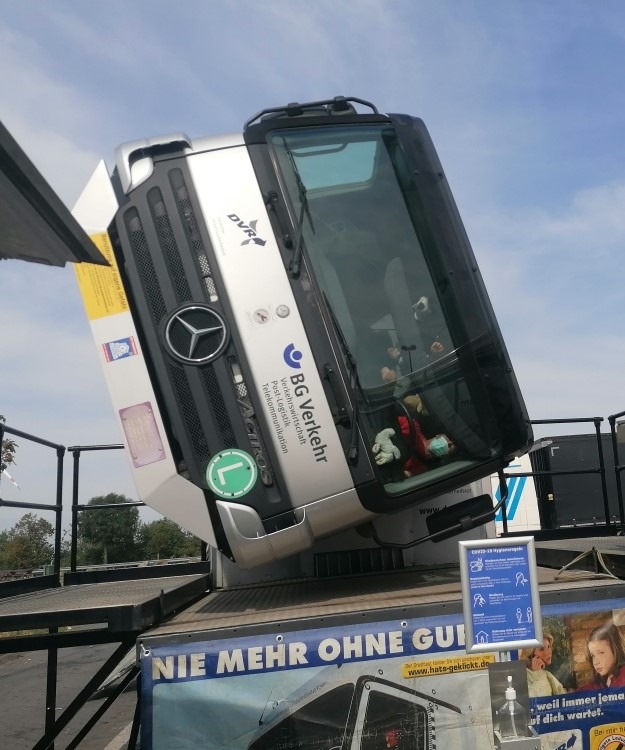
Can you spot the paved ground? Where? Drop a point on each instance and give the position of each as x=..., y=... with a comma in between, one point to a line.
x=22, y=700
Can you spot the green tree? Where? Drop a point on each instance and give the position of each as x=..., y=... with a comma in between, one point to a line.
x=108, y=535
x=28, y=544
x=7, y=451
x=4, y=538
x=66, y=547
x=164, y=539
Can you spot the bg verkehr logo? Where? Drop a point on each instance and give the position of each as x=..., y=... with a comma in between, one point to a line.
x=292, y=356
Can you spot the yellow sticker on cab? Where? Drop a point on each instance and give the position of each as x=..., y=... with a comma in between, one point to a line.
x=101, y=286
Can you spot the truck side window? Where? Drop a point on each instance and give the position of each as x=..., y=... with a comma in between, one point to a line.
x=392, y=722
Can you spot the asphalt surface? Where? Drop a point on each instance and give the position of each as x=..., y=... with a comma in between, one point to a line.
x=23, y=699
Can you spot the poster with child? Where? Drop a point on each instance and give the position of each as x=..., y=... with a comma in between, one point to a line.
x=576, y=679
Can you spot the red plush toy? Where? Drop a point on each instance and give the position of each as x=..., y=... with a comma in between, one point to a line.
x=424, y=449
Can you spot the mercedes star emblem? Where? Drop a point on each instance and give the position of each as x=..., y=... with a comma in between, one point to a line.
x=196, y=334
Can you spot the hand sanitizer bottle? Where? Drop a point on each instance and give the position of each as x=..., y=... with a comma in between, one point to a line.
x=512, y=719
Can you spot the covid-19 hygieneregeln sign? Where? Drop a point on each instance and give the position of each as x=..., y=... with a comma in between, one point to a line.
x=500, y=594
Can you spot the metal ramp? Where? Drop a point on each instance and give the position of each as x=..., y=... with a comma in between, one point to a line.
x=105, y=612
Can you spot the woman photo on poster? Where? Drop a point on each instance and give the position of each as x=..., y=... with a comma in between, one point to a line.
x=606, y=654
x=540, y=681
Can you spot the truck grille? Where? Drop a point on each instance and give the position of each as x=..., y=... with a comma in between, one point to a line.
x=145, y=266
x=168, y=244
x=163, y=231
x=219, y=407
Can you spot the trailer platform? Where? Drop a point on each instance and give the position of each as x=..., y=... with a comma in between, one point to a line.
x=598, y=554
x=240, y=608
x=85, y=614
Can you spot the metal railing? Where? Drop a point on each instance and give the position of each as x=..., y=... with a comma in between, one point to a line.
x=52, y=640
x=76, y=507
x=77, y=451
x=600, y=470
x=617, y=468
x=608, y=521
x=57, y=507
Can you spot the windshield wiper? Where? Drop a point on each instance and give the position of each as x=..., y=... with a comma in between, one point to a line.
x=352, y=450
x=296, y=260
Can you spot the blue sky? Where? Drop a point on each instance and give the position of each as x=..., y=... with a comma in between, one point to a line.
x=524, y=101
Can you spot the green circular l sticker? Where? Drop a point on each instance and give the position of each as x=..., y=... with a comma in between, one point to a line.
x=231, y=473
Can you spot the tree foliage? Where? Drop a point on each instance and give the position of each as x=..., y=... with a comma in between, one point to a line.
x=165, y=539
x=28, y=544
x=108, y=535
x=105, y=536
x=7, y=451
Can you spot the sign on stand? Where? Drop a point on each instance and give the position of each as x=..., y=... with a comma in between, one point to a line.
x=500, y=594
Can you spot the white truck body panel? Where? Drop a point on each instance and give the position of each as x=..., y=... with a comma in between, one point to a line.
x=158, y=483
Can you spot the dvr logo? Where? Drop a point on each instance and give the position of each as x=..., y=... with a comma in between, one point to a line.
x=248, y=229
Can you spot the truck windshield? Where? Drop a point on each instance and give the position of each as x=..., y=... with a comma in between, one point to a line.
x=319, y=725
x=362, y=717
x=356, y=208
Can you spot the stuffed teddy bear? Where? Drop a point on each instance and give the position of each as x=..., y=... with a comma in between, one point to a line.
x=424, y=449
x=383, y=448
x=415, y=405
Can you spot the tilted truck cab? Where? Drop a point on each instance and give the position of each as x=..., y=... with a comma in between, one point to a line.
x=294, y=330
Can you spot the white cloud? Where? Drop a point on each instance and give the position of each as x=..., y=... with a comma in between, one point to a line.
x=51, y=381
x=47, y=117
x=555, y=282
x=572, y=378
x=549, y=250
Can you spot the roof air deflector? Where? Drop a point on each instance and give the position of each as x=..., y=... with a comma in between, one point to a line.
x=134, y=160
